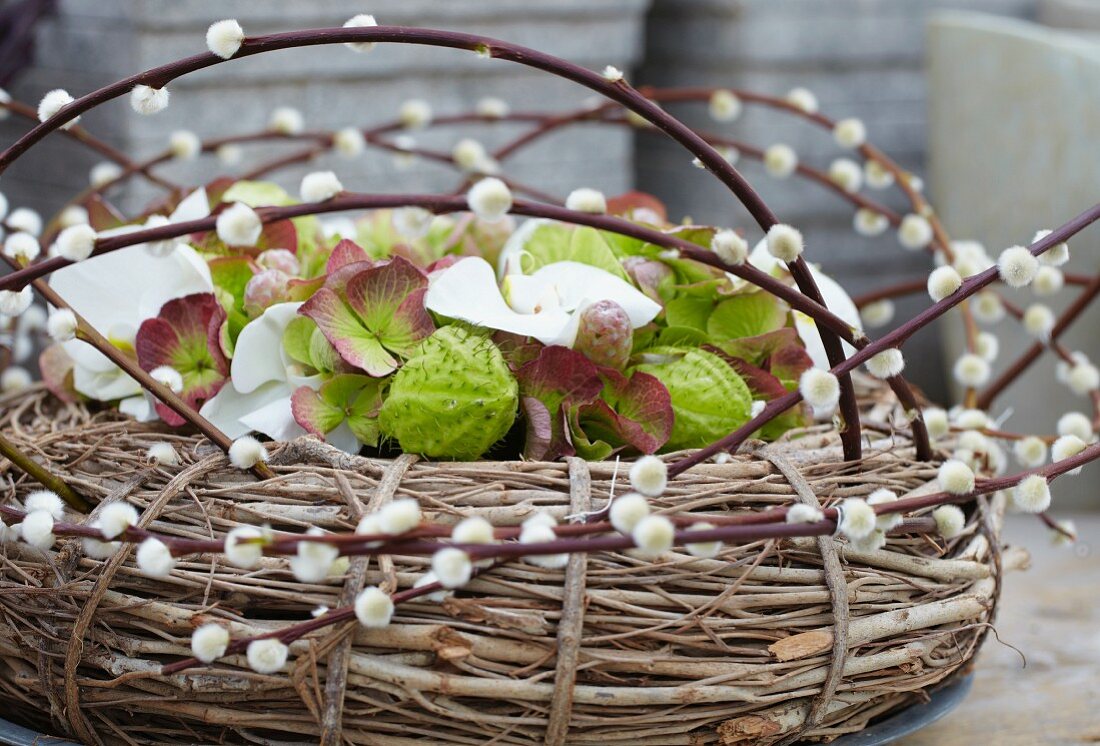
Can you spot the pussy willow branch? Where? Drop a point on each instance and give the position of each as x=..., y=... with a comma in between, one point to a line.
x=1020, y=366
x=618, y=91
x=895, y=338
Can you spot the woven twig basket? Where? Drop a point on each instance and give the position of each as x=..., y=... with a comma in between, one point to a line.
x=774, y=641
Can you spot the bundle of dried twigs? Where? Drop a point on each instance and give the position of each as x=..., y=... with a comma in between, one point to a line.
x=752, y=647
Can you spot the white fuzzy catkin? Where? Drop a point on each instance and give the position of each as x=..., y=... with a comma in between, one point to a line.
x=46, y=500
x=313, y=559
x=239, y=225
x=399, y=516
x=703, y=549
x=915, y=232
x=224, y=38
x=1039, y=321
x=820, y=389
x=103, y=174
x=885, y=521
x=780, y=160
x=1056, y=255
x=627, y=510
x=649, y=476
x=886, y=364
x=15, y=378
x=988, y=307
x=492, y=107
x=971, y=370
x=37, y=529
x=72, y=215
x=955, y=477
x=76, y=243
x=320, y=186
x=850, y=133
x=229, y=154
x=96, y=549
x=586, y=200
x=857, y=519
x=490, y=199
x=950, y=520
x=415, y=114
x=987, y=346
x=239, y=553
x=802, y=513
x=802, y=98
x=870, y=222
x=209, y=642
x=162, y=453
x=148, y=100
x=1030, y=451
x=452, y=567
x=877, y=314
x=53, y=102
x=1048, y=280
x=25, y=219
x=363, y=20
x=286, y=120
x=246, y=452
x=1083, y=378
x=1076, y=423
x=267, y=655
x=373, y=608
x=61, y=325
x=22, y=246
x=349, y=142
x=724, y=105
x=653, y=534
x=168, y=377
x=1067, y=446
x=1017, y=267
x=1032, y=494
x=935, y=419
x=1065, y=535
x=612, y=74
x=154, y=558
x=184, y=145
x=538, y=532
x=943, y=282
x=730, y=247
x=116, y=517
x=472, y=530
x=872, y=542
x=877, y=175
x=846, y=174
x=784, y=242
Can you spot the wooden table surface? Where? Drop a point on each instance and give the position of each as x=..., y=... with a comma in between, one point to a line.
x=1051, y=612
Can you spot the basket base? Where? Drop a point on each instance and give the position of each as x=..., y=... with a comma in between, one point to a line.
x=910, y=720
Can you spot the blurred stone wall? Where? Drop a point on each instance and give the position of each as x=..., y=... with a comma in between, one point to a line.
x=862, y=58
x=93, y=42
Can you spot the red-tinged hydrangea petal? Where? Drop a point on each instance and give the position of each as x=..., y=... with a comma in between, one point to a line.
x=186, y=336
x=638, y=206
x=57, y=372
x=375, y=293
x=102, y=215
x=551, y=387
x=313, y=413
x=356, y=344
x=635, y=412
x=344, y=253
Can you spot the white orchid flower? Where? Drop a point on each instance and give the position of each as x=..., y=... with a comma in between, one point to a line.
x=115, y=292
x=261, y=382
x=836, y=299
x=546, y=305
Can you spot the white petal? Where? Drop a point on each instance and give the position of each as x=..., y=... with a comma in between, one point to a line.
x=468, y=290
x=194, y=206
x=226, y=408
x=275, y=420
x=513, y=249
x=344, y=439
x=104, y=385
x=257, y=358
x=577, y=283
x=139, y=407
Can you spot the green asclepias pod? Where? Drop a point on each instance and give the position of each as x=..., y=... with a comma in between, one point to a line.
x=452, y=399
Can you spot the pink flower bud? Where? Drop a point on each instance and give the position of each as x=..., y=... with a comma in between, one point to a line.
x=605, y=334
x=265, y=289
x=279, y=259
